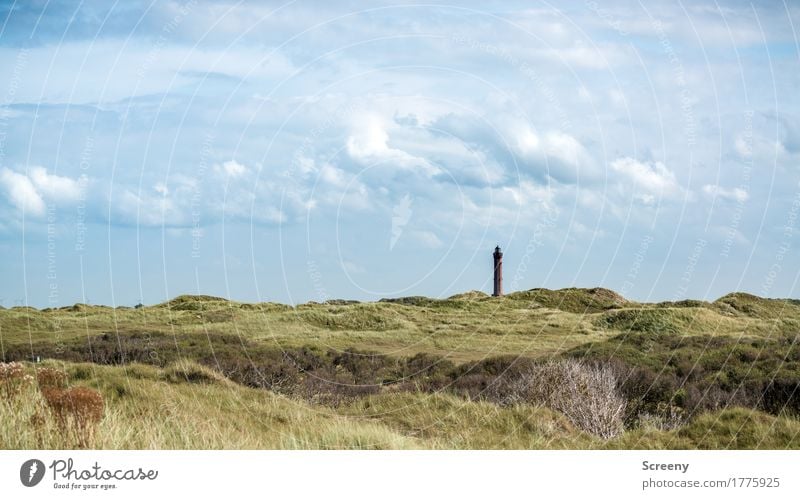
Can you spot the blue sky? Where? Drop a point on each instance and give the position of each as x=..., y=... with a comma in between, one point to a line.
x=299, y=151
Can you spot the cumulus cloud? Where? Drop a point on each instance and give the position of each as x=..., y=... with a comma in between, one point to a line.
x=650, y=180
x=339, y=188
x=31, y=192
x=369, y=138
x=369, y=144
x=233, y=168
x=556, y=154
x=527, y=194
x=54, y=187
x=736, y=194
x=161, y=188
x=21, y=193
x=144, y=210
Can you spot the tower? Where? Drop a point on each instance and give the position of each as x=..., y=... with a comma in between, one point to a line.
x=498, y=272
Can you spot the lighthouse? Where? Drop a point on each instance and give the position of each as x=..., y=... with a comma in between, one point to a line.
x=498, y=272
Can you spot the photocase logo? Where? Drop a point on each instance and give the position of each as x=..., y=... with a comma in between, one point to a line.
x=31, y=472
x=401, y=214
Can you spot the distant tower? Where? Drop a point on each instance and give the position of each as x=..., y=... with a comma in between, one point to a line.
x=498, y=272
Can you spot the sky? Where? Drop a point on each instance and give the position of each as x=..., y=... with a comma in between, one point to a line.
x=306, y=151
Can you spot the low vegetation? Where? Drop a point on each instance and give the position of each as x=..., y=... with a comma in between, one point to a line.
x=538, y=369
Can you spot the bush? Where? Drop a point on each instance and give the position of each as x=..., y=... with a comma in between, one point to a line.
x=12, y=379
x=49, y=377
x=333, y=388
x=478, y=385
x=647, y=393
x=586, y=394
x=77, y=410
x=782, y=395
x=185, y=371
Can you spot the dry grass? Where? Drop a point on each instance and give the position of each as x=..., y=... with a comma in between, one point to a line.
x=468, y=327
x=150, y=408
x=180, y=404
x=47, y=413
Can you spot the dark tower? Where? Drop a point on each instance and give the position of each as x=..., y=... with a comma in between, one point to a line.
x=498, y=272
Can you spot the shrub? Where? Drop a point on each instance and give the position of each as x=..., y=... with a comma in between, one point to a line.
x=277, y=373
x=480, y=385
x=12, y=379
x=782, y=395
x=586, y=394
x=333, y=389
x=665, y=418
x=185, y=371
x=49, y=377
x=76, y=410
x=647, y=392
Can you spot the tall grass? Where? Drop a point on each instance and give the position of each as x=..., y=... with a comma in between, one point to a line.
x=405, y=373
x=186, y=406
x=49, y=417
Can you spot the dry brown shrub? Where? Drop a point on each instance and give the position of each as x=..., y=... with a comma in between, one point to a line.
x=49, y=377
x=12, y=379
x=77, y=410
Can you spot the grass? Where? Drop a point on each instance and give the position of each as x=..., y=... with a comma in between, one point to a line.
x=190, y=373
x=150, y=408
x=465, y=327
x=186, y=406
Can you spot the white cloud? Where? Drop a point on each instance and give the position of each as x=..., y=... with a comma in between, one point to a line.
x=233, y=168
x=161, y=188
x=502, y=207
x=53, y=186
x=29, y=192
x=565, y=147
x=338, y=188
x=526, y=194
x=332, y=176
x=21, y=192
x=146, y=210
x=736, y=194
x=166, y=205
x=369, y=144
x=528, y=141
x=555, y=153
x=651, y=179
x=369, y=139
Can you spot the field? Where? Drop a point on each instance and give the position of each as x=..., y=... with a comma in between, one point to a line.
x=573, y=368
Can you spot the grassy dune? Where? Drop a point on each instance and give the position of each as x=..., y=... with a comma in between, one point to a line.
x=466, y=327
x=192, y=372
x=188, y=406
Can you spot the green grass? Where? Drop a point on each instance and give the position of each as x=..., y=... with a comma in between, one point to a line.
x=465, y=327
x=186, y=406
x=181, y=401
